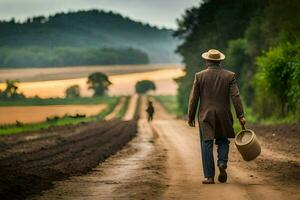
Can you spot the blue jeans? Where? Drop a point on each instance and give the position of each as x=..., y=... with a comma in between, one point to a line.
x=208, y=156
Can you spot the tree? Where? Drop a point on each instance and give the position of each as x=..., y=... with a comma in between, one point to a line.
x=261, y=25
x=236, y=55
x=212, y=24
x=278, y=72
x=239, y=61
x=73, y=91
x=98, y=82
x=98, y=30
x=32, y=56
x=11, y=90
x=144, y=86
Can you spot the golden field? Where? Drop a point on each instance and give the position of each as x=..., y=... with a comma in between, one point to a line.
x=123, y=84
x=33, y=114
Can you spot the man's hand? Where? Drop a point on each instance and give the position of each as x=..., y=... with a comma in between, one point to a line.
x=191, y=123
x=242, y=121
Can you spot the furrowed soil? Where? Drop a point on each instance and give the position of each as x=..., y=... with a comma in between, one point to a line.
x=136, y=172
x=30, y=162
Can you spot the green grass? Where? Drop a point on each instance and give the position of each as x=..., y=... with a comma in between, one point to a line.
x=170, y=103
x=254, y=119
x=66, y=120
x=124, y=108
x=279, y=120
x=55, y=101
x=250, y=117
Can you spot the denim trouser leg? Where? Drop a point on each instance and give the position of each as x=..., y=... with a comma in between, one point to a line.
x=207, y=157
x=223, y=150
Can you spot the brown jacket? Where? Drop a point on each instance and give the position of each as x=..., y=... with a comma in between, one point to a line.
x=214, y=87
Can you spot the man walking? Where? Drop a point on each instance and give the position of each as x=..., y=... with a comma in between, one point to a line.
x=213, y=88
x=150, y=111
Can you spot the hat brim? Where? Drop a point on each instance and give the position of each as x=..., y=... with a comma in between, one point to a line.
x=205, y=56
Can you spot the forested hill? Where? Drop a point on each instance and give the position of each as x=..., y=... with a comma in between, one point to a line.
x=90, y=29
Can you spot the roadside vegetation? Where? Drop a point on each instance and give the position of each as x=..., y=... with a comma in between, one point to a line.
x=262, y=47
x=170, y=103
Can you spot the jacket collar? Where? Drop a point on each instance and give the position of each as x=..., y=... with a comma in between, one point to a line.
x=214, y=66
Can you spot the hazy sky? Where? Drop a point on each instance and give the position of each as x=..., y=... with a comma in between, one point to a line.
x=155, y=12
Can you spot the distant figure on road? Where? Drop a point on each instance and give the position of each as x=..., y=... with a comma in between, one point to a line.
x=213, y=88
x=150, y=111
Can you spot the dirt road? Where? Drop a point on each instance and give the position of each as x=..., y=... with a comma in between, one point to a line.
x=163, y=162
x=184, y=169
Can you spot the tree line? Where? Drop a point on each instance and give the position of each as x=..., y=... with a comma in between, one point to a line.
x=97, y=81
x=68, y=56
x=261, y=43
x=90, y=29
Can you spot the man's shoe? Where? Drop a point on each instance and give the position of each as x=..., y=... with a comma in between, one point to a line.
x=223, y=175
x=209, y=181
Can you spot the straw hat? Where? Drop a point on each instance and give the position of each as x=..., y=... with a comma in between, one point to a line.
x=213, y=54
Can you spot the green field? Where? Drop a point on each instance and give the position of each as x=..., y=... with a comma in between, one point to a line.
x=124, y=108
x=56, y=101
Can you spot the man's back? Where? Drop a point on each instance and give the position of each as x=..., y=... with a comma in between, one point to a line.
x=214, y=87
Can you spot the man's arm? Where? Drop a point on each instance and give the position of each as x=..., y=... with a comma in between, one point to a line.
x=236, y=100
x=193, y=102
